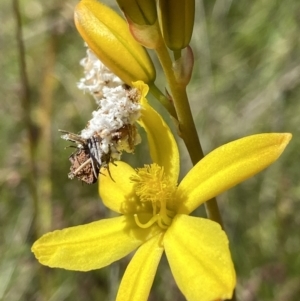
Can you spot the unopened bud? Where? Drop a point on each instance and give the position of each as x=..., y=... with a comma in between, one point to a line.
x=108, y=36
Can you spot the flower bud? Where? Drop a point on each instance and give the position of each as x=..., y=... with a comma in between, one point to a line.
x=141, y=16
x=141, y=12
x=177, y=21
x=108, y=36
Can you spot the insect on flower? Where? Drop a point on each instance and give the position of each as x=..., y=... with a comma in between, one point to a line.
x=112, y=129
x=88, y=158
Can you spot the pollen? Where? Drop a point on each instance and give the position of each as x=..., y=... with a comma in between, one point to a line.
x=152, y=185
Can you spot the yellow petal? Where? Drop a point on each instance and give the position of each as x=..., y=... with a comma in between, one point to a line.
x=91, y=246
x=162, y=144
x=116, y=190
x=107, y=34
x=138, y=278
x=199, y=257
x=228, y=166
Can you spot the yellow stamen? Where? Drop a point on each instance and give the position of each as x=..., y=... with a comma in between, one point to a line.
x=152, y=221
x=153, y=186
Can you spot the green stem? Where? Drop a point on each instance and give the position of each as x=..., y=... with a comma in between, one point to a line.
x=186, y=126
x=163, y=100
x=26, y=105
x=187, y=129
x=177, y=54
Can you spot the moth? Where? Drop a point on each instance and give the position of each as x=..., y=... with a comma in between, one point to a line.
x=88, y=158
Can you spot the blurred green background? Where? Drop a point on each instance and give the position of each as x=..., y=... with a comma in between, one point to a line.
x=246, y=80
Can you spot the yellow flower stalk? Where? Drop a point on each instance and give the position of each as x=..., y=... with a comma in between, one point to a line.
x=177, y=22
x=108, y=36
x=154, y=217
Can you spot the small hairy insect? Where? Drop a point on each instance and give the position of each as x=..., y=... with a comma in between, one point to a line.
x=88, y=158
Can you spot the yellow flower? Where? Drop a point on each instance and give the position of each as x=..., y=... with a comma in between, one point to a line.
x=108, y=36
x=155, y=217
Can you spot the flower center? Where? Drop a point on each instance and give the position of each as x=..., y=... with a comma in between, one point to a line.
x=153, y=186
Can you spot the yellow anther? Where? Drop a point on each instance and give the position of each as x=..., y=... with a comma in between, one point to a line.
x=154, y=187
